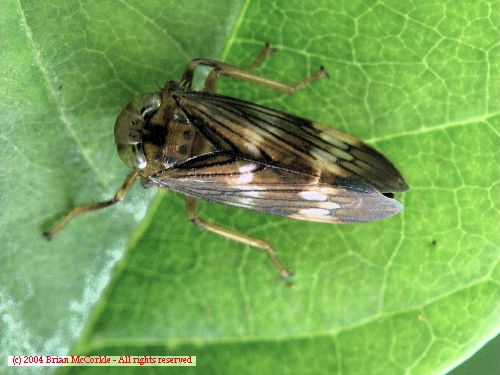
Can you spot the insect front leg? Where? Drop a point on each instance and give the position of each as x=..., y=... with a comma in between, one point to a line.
x=227, y=70
x=119, y=196
x=192, y=213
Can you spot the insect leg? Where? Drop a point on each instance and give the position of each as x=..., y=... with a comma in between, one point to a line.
x=227, y=70
x=192, y=213
x=265, y=52
x=236, y=73
x=119, y=196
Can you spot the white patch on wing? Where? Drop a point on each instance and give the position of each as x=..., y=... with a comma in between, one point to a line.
x=322, y=154
x=312, y=196
x=314, y=211
x=327, y=136
x=255, y=194
x=245, y=178
x=329, y=205
x=246, y=168
x=246, y=175
x=337, y=138
x=341, y=154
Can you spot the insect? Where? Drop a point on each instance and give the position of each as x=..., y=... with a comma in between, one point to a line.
x=225, y=150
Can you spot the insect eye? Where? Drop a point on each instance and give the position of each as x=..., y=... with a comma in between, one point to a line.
x=145, y=104
x=129, y=126
x=132, y=155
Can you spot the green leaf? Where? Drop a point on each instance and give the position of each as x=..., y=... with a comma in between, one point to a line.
x=417, y=293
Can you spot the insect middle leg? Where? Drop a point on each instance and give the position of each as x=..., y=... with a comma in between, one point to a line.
x=227, y=70
x=192, y=213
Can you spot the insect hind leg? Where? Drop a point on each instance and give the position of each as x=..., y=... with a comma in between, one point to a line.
x=214, y=75
x=227, y=70
x=192, y=213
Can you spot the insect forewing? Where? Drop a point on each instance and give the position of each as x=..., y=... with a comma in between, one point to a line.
x=225, y=178
x=286, y=141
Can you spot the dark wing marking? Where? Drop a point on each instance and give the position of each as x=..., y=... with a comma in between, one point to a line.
x=223, y=178
x=288, y=141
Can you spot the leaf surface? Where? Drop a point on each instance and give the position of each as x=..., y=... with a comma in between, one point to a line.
x=417, y=293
